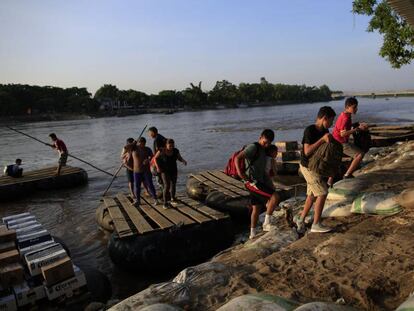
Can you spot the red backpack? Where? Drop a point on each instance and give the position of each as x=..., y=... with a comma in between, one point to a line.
x=230, y=168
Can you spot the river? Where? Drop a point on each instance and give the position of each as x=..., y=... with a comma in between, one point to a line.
x=205, y=139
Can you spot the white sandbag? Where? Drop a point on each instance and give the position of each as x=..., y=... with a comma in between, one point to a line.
x=169, y=292
x=378, y=203
x=406, y=198
x=273, y=241
x=323, y=306
x=204, y=275
x=160, y=307
x=346, y=189
x=337, y=208
x=407, y=305
x=259, y=303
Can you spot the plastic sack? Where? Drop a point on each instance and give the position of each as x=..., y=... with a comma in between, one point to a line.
x=406, y=198
x=160, y=307
x=324, y=306
x=169, y=292
x=337, y=208
x=378, y=203
x=407, y=305
x=259, y=302
x=346, y=189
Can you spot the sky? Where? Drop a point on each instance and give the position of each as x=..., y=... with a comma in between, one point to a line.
x=154, y=45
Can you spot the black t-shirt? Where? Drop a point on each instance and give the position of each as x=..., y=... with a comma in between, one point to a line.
x=310, y=136
x=159, y=142
x=168, y=163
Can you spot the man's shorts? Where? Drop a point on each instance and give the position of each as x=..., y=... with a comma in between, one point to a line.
x=316, y=184
x=261, y=193
x=351, y=150
x=63, y=159
x=130, y=175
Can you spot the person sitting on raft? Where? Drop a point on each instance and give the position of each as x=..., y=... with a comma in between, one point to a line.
x=60, y=146
x=126, y=158
x=14, y=170
x=262, y=195
x=343, y=129
x=166, y=162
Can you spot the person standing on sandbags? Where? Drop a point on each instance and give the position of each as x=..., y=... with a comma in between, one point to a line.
x=343, y=129
x=314, y=136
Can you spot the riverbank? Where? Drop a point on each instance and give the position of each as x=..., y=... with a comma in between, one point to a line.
x=366, y=263
x=131, y=112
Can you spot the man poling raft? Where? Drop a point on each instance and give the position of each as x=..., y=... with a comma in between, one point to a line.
x=61, y=149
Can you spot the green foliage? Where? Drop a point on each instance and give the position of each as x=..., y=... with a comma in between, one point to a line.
x=398, y=35
x=17, y=99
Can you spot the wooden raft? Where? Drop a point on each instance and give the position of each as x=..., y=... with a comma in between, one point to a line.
x=129, y=220
x=40, y=174
x=218, y=181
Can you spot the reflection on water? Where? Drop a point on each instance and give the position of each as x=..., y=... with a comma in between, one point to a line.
x=205, y=139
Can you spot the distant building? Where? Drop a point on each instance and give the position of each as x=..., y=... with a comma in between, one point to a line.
x=109, y=104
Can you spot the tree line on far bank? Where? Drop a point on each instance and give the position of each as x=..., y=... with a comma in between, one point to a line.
x=18, y=99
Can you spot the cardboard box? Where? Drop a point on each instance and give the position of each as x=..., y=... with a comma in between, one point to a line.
x=23, y=225
x=8, y=303
x=16, y=216
x=7, y=246
x=24, y=251
x=11, y=274
x=27, y=295
x=57, y=271
x=67, y=287
x=7, y=235
x=36, y=260
x=9, y=257
x=33, y=238
x=29, y=229
x=20, y=220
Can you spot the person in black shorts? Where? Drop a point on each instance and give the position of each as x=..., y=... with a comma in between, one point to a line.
x=166, y=161
x=262, y=195
x=158, y=145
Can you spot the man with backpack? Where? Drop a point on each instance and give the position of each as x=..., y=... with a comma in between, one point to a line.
x=256, y=180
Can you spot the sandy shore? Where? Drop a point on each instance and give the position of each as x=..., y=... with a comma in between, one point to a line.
x=366, y=263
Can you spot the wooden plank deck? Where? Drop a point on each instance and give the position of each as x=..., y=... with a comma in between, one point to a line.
x=120, y=223
x=129, y=220
x=44, y=173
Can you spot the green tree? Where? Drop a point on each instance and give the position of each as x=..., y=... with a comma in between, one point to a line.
x=398, y=35
x=224, y=92
x=107, y=91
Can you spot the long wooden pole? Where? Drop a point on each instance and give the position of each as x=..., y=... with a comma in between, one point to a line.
x=83, y=161
x=120, y=167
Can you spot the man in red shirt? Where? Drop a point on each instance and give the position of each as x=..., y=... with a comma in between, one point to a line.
x=60, y=146
x=343, y=129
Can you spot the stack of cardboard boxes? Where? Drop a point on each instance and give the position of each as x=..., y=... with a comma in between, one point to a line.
x=33, y=265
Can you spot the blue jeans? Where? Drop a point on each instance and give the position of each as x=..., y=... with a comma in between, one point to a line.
x=146, y=178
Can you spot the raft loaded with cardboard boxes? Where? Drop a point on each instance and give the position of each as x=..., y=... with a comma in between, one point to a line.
x=35, y=269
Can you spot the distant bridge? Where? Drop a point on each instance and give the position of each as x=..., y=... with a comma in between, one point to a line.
x=374, y=94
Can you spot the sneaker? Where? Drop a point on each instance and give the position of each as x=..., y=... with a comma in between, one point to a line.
x=268, y=227
x=348, y=176
x=174, y=202
x=300, y=225
x=252, y=236
x=165, y=206
x=135, y=203
x=319, y=228
x=155, y=202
